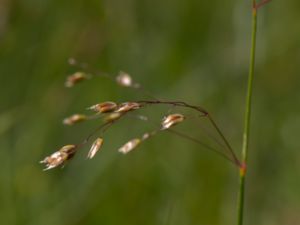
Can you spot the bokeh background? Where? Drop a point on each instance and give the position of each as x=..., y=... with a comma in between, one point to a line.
x=195, y=51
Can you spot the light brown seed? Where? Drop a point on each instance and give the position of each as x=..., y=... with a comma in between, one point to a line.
x=124, y=79
x=95, y=148
x=59, y=157
x=69, y=150
x=127, y=106
x=145, y=136
x=75, y=78
x=171, y=120
x=112, y=117
x=76, y=118
x=104, y=107
x=130, y=145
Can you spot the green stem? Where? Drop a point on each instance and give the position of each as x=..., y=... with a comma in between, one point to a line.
x=247, y=118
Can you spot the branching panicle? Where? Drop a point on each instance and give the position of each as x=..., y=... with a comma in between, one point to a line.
x=116, y=111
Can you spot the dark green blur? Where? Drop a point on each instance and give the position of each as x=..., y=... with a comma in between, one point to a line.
x=194, y=51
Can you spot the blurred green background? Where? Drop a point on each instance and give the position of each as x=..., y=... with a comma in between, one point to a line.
x=195, y=51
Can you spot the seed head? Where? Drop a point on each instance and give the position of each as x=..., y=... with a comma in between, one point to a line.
x=75, y=78
x=59, y=157
x=95, y=147
x=130, y=145
x=76, y=118
x=124, y=79
x=104, y=107
x=171, y=120
x=127, y=106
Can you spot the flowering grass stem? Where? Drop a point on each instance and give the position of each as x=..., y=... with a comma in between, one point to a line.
x=242, y=177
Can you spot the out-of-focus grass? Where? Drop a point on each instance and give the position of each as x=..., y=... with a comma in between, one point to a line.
x=193, y=51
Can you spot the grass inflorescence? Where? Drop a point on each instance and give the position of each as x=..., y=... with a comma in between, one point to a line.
x=111, y=112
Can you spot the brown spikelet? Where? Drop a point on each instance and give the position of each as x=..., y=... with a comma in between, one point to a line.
x=171, y=120
x=145, y=136
x=130, y=145
x=124, y=79
x=95, y=148
x=59, y=157
x=127, y=106
x=76, y=118
x=75, y=78
x=112, y=117
x=104, y=107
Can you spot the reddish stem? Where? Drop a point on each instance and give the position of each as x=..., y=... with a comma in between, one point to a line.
x=262, y=3
x=243, y=168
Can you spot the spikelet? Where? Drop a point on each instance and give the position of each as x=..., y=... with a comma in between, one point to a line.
x=104, y=107
x=95, y=148
x=76, y=118
x=130, y=145
x=171, y=120
x=124, y=79
x=112, y=117
x=145, y=136
x=75, y=78
x=127, y=106
x=59, y=157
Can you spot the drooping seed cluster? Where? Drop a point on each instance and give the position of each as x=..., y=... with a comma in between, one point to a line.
x=112, y=112
x=115, y=112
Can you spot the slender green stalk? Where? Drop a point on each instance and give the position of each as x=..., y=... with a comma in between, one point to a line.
x=247, y=118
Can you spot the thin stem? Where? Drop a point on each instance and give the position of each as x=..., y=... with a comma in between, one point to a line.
x=103, y=127
x=97, y=73
x=211, y=136
x=195, y=140
x=202, y=144
x=246, y=132
x=262, y=3
x=224, y=139
x=204, y=113
x=175, y=103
